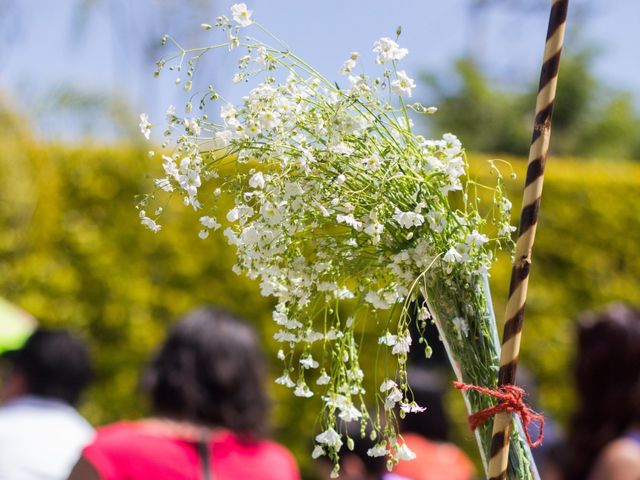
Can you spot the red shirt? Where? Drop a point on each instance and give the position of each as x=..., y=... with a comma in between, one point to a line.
x=128, y=451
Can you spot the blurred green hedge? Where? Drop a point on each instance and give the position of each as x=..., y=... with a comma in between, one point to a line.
x=72, y=252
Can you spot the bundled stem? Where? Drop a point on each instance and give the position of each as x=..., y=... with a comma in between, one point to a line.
x=477, y=366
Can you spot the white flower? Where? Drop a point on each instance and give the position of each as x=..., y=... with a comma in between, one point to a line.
x=403, y=84
x=241, y=15
x=281, y=355
x=349, y=413
x=350, y=64
x=423, y=314
x=284, y=336
x=257, y=180
x=452, y=256
x=209, y=222
x=379, y=450
x=323, y=379
x=393, y=397
x=349, y=220
x=318, y=451
x=375, y=299
x=203, y=234
x=374, y=230
x=334, y=334
x=358, y=84
x=261, y=57
x=285, y=380
x=342, y=293
x=330, y=438
x=404, y=453
x=388, y=50
x=402, y=345
x=145, y=125
x=372, y=162
x=192, y=126
x=150, y=224
x=475, y=238
x=302, y=390
x=228, y=115
x=308, y=362
x=272, y=214
x=269, y=120
x=388, y=339
x=388, y=384
x=412, y=407
x=408, y=219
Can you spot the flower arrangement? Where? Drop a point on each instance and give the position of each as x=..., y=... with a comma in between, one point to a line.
x=337, y=201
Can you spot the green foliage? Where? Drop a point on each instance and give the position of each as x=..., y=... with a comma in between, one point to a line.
x=589, y=120
x=584, y=257
x=72, y=252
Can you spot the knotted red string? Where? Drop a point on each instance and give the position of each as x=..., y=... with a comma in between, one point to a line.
x=510, y=400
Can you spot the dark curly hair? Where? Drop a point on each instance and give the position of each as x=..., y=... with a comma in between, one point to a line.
x=607, y=382
x=55, y=363
x=210, y=371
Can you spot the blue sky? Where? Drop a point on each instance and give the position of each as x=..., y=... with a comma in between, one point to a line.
x=103, y=53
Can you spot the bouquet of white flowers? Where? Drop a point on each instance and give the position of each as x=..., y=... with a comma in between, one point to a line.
x=337, y=200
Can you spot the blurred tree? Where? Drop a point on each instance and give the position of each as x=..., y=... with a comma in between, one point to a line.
x=73, y=253
x=589, y=119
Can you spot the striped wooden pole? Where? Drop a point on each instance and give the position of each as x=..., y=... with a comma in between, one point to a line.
x=514, y=316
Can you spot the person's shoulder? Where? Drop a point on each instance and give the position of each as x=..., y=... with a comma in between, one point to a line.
x=280, y=456
x=619, y=460
x=264, y=446
x=265, y=452
x=278, y=449
x=118, y=433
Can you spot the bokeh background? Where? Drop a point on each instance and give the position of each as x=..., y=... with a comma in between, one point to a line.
x=74, y=74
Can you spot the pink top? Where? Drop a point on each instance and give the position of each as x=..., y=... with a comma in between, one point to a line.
x=129, y=451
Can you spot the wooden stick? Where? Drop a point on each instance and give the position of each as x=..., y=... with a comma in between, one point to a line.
x=514, y=316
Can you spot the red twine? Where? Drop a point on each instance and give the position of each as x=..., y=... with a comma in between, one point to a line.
x=510, y=400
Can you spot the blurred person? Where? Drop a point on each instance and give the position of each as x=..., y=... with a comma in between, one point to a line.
x=604, y=432
x=41, y=433
x=209, y=412
x=427, y=433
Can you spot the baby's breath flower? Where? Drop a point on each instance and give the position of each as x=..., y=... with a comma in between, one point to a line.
x=350, y=63
x=308, y=362
x=335, y=202
x=402, y=344
x=412, y=407
x=145, y=125
x=323, y=379
x=403, y=85
x=330, y=438
x=285, y=380
x=403, y=452
x=241, y=14
x=302, y=390
x=388, y=50
x=379, y=450
x=317, y=452
x=387, y=385
x=394, y=396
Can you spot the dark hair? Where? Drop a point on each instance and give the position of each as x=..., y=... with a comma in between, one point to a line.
x=55, y=364
x=607, y=381
x=210, y=371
